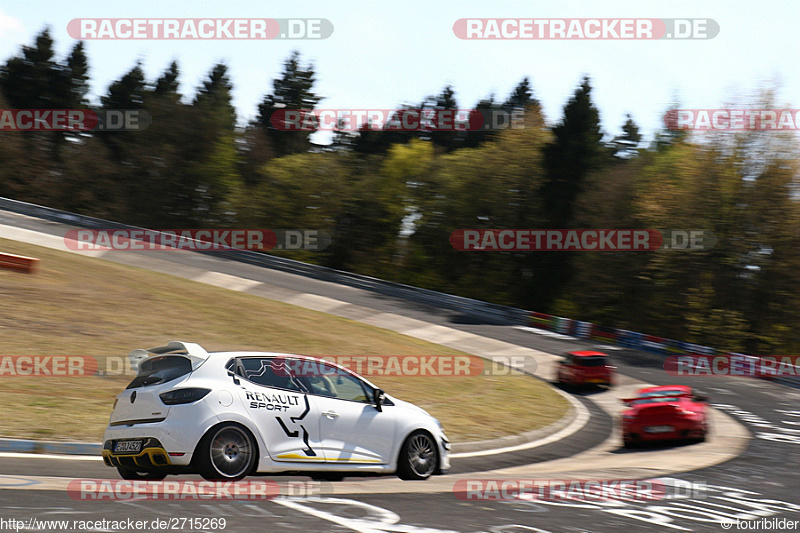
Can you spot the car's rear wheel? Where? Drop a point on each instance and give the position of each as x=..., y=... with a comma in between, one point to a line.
x=132, y=473
x=702, y=437
x=419, y=456
x=226, y=452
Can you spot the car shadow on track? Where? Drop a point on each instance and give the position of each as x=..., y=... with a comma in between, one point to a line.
x=579, y=391
x=655, y=446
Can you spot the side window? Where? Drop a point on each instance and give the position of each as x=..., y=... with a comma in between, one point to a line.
x=350, y=388
x=326, y=380
x=568, y=358
x=270, y=372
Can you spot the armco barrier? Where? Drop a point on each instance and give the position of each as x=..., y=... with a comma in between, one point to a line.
x=633, y=339
x=493, y=313
x=623, y=337
x=19, y=263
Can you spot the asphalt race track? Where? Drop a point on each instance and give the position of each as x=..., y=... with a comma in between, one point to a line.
x=760, y=484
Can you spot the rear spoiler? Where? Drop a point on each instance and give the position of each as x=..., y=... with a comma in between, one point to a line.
x=696, y=396
x=675, y=396
x=194, y=352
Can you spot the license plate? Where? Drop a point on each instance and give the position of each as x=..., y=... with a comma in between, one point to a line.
x=659, y=429
x=128, y=446
x=595, y=381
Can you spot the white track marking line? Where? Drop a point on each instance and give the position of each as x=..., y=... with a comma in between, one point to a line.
x=580, y=421
x=18, y=455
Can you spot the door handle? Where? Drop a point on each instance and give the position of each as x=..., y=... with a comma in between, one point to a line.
x=330, y=414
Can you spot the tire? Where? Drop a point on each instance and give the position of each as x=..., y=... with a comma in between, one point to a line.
x=130, y=473
x=227, y=452
x=630, y=444
x=703, y=437
x=419, y=456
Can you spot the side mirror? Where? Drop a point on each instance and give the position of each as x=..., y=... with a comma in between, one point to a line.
x=700, y=398
x=379, y=399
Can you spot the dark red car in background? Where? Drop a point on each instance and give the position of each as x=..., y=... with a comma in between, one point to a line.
x=670, y=412
x=584, y=368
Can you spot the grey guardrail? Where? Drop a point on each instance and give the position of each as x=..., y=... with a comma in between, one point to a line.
x=487, y=311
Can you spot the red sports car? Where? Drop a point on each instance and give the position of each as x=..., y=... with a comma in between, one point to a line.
x=586, y=368
x=670, y=412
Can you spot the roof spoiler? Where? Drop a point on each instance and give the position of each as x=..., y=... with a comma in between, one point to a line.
x=194, y=352
x=676, y=396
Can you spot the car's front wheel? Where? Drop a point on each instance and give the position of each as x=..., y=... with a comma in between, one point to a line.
x=419, y=456
x=226, y=452
x=132, y=473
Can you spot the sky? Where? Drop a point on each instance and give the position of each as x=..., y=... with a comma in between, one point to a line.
x=384, y=54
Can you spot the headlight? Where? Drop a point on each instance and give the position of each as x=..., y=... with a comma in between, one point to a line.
x=179, y=396
x=441, y=427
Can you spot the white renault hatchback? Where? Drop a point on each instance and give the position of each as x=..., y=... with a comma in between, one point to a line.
x=225, y=415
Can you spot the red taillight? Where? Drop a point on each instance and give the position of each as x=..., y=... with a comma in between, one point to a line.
x=181, y=396
x=177, y=454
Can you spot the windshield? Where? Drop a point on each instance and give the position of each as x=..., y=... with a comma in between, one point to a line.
x=591, y=361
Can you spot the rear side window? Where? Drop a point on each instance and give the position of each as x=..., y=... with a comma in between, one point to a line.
x=157, y=370
x=592, y=361
x=270, y=372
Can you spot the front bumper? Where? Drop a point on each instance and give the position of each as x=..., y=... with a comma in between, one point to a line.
x=602, y=380
x=444, y=455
